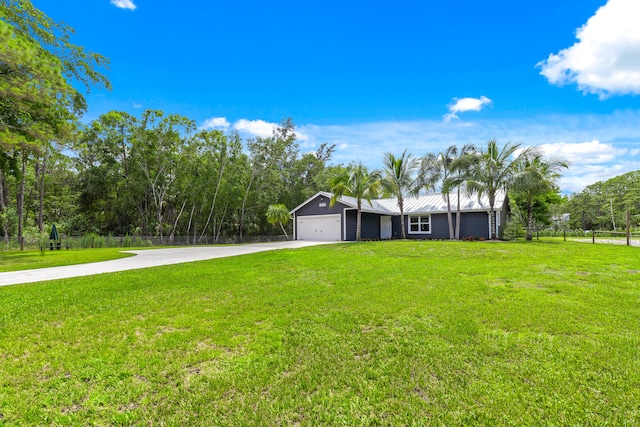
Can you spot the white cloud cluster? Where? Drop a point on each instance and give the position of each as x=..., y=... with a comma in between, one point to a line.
x=606, y=58
x=220, y=123
x=124, y=4
x=255, y=127
x=584, y=153
x=591, y=161
x=460, y=105
x=251, y=128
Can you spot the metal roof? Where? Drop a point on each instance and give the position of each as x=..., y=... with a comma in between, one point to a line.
x=429, y=203
x=433, y=203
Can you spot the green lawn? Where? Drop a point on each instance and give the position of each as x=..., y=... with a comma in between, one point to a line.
x=26, y=260
x=379, y=333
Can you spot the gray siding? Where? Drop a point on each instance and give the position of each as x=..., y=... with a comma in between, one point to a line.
x=396, y=231
x=474, y=224
x=370, y=225
x=314, y=208
x=440, y=226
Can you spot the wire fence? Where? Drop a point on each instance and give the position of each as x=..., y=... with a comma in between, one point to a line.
x=615, y=237
x=97, y=241
x=630, y=238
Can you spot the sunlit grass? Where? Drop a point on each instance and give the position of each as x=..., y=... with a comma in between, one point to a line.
x=380, y=333
x=26, y=260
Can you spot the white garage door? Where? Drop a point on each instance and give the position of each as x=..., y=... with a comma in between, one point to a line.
x=319, y=227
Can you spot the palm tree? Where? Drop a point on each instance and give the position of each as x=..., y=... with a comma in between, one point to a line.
x=357, y=182
x=400, y=177
x=449, y=168
x=537, y=177
x=494, y=170
x=461, y=168
x=278, y=214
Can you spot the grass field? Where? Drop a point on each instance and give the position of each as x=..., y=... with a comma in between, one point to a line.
x=378, y=333
x=26, y=260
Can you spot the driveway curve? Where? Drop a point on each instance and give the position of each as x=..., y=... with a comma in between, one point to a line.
x=147, y=258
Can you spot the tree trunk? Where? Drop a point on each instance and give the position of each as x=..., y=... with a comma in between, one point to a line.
x=402, y=226
x=449, y=218
x=492, y=220
x=359, y=221
x=3, y=209
x=529, y=221
x=244, y=201
x=213, y=203
x=43, y=172
x=193, y=208
x=175, y=224
x=284, y=231
x=20, y=201
x=458, y=209
x=224, y=212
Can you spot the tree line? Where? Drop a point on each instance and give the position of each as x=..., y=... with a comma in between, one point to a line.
x=158, y=174
x=603, y=205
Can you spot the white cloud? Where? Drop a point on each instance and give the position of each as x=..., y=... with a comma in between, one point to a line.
x=606, y=58
x=264, y=129
x=124, y=4
x=460, y=105
x=220, y=123
x=255, y=127
x=590, y=162
x=136, y=105
x=584, y=153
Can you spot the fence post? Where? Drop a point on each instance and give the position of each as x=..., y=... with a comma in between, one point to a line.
x=564, y=234
x=628, y=228
x=593, y=236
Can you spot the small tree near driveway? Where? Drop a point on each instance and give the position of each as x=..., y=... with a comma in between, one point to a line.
x=278, y=214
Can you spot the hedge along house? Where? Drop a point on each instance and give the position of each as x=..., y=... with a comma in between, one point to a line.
x=425, y=217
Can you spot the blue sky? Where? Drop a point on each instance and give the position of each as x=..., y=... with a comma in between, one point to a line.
x=377, y=76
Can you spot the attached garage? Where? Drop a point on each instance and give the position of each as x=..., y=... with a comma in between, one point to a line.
x=319, y=227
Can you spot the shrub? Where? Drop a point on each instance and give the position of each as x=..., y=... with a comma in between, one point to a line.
x=513, y=230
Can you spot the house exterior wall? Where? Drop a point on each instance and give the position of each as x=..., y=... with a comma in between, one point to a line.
x=370, y=225
x=474, y=224
x=315, y=207
x=440, y=226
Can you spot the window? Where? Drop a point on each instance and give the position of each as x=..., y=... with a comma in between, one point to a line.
x=420, y=224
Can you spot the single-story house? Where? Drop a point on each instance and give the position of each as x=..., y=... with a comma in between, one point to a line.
x=425, y=217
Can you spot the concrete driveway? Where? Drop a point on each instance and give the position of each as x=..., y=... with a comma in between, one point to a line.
x=147, y=258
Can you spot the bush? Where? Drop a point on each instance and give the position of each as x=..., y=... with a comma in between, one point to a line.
x=513, y=230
